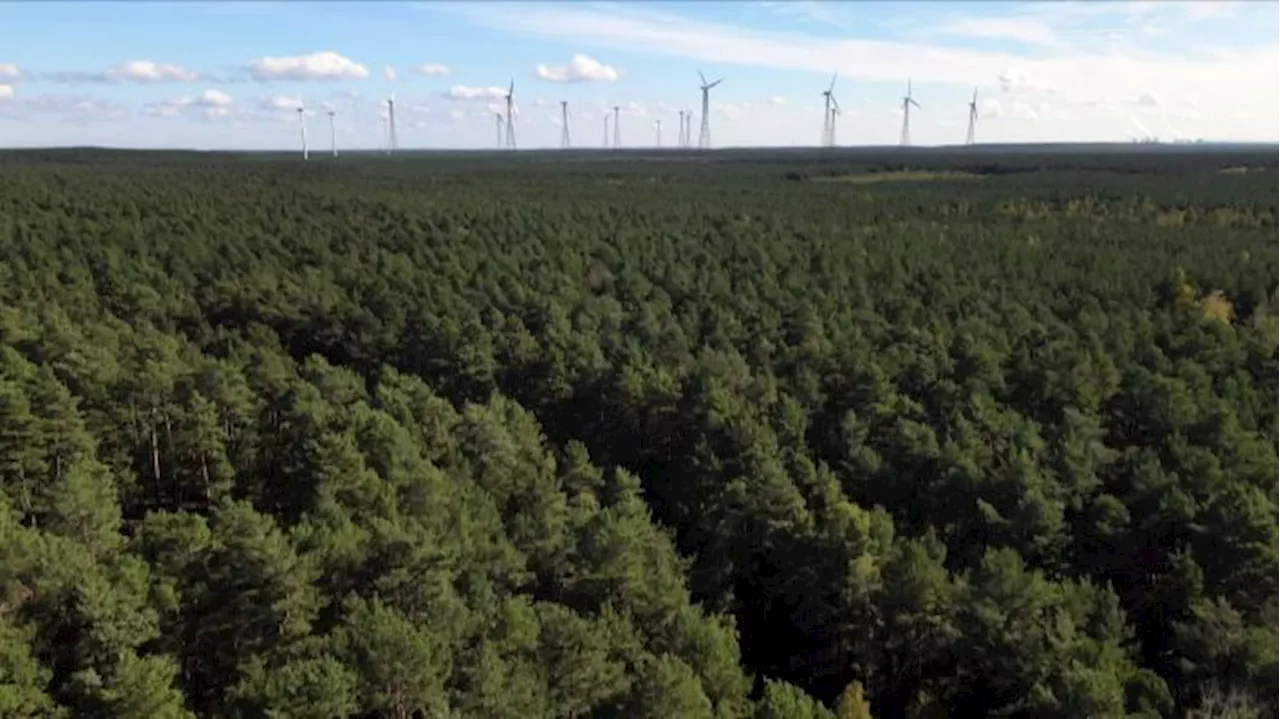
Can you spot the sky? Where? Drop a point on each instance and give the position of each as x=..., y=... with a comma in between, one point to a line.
x=231, y=75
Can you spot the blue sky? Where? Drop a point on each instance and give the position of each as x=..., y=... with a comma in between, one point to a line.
x=230, y=74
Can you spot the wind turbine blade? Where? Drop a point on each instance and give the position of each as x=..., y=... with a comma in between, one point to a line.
x=908, y=87
x=702, y=77
x=833, y=83
x=511, y=89
x=913, y=102
x=975, y=95
x=717, y=82
x=834, y=103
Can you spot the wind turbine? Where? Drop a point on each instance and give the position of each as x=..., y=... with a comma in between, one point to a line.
x=564, y=125
x=835, y=112
x=302, y=125
x=606, y=132
x=704, y=135
x=333, y=132
x=688, y=128
x=497, y=117
x=680, y=138
x=657, y=127
x=907, y=102
x=617, y=127
x=511, y=127
x=393, y=142
x=828, y=129
x=973, y=117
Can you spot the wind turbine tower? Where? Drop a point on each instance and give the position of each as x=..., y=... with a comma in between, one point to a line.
x=606, y=132
x=497, y=119
x=704, y=135
x=680, y=137
x=393, y=142
x=617, y=127
x=828, y=126
x=302, y=125
x=835, y=112
x=973, y=117
x=511, y=126
x=907, y=102
x=688, y=128
x=564, y=125
x=333, y=133
x=657, y=128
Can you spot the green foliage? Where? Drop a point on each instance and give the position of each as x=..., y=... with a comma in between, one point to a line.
x=852, y=704
x=481, y=437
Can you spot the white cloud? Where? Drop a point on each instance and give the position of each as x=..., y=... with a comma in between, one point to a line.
x=727, y=110
x=777, y=100
x=433, y=69
x=1016, y=82
x=148, y=71
x=316, y=66
x=389, y=72
x=282, y=102
x=212, y=103
x=6, y=92
x=10, y=71
x=580, y=68
x=466, y=92
x=214, y=98
x=1098, y=77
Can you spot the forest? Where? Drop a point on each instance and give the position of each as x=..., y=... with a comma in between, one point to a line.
x=727, y=435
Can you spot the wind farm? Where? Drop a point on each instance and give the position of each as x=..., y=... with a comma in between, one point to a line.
x=612, y=117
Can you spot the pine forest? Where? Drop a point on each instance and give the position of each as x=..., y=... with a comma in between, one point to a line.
x=678, y=435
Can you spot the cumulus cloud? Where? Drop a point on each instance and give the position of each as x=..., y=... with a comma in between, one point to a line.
x=580, y=68
x=139, y=71
x=6, y=92
x=389, y=72
x=10, y=71
x=467, y=92
x=213, y=103
x=148, y=71
x=281, y=102
x=215, y=98
x=433, y=69
x=777, y=100
x=325, y=65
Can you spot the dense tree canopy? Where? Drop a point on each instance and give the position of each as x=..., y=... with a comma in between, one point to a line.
x=772, y=436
